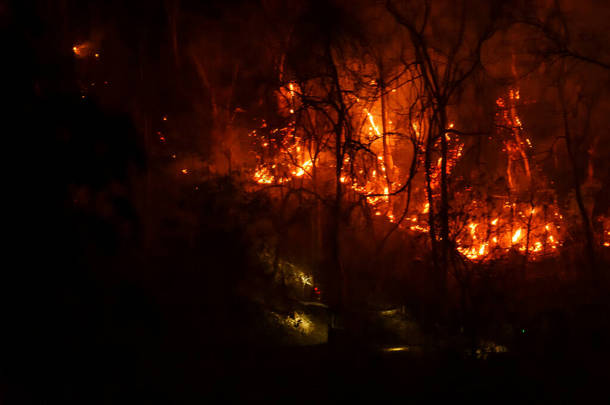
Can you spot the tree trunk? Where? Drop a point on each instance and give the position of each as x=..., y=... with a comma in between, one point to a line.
x=586, y=224
x=444, y=211
x=338, y=281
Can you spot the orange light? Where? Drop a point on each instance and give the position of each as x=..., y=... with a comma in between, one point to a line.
x=372, y=121
x=82, y=50
x=517, y=235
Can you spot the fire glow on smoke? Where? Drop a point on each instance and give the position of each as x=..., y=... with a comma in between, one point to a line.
x=487, y=229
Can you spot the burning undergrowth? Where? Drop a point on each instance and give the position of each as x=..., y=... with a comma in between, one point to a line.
x=499, y=211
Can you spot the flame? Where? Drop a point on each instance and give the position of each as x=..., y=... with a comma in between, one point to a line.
x=302, y=170
x=487, y=230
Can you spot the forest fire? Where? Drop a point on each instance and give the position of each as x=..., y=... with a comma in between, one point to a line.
x=484, y=230
x=232, y=198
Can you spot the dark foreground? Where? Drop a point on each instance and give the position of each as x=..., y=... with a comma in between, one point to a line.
x=315, y=374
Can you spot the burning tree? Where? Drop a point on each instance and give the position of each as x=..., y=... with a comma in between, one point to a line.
x=384, y=124
x=388, y=141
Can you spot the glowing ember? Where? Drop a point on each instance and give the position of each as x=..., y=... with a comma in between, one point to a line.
x=486, y=230
x=83, y=50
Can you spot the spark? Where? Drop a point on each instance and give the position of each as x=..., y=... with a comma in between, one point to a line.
x=372, y=121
